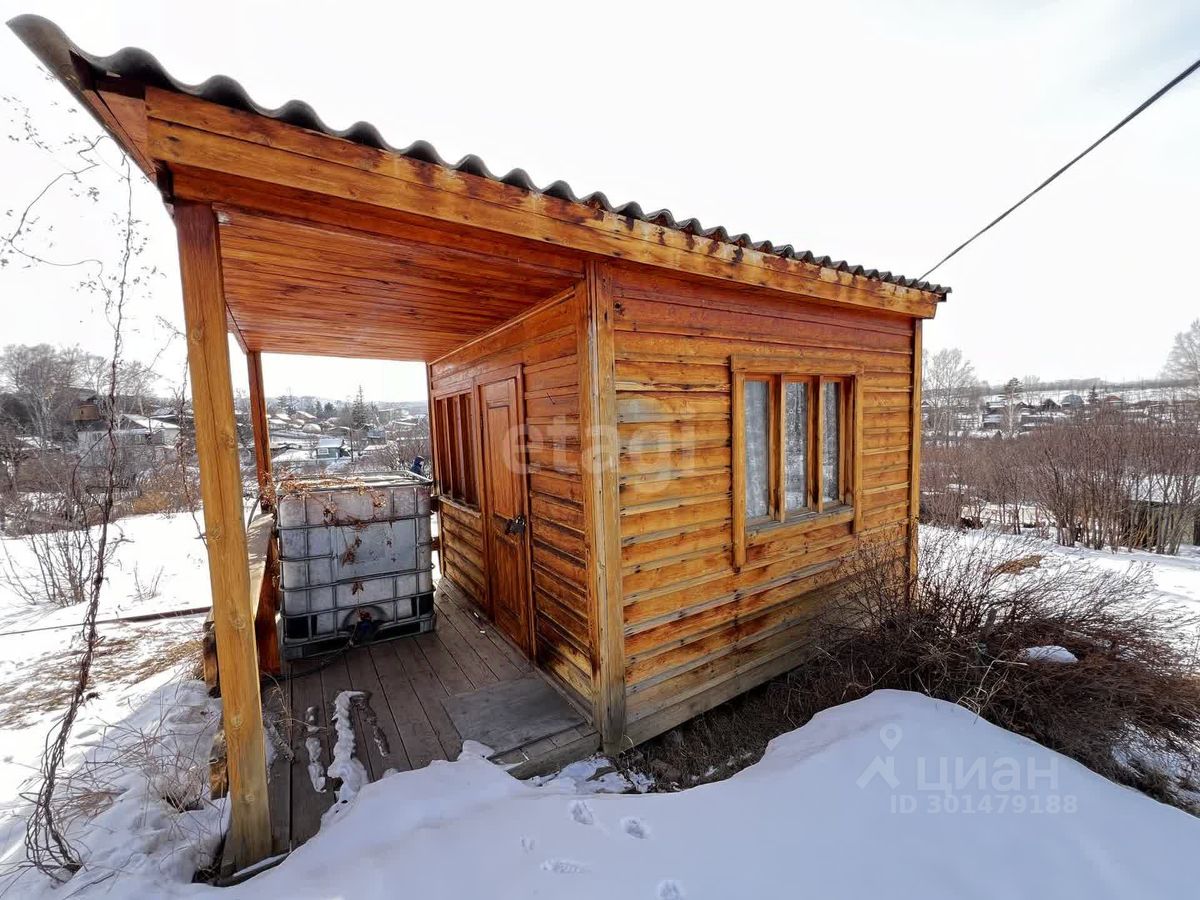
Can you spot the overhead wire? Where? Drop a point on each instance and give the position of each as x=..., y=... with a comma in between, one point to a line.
x=1146, y=104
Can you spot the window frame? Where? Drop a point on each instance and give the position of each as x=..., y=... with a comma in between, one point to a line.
x=456, y=450
x=780, y=523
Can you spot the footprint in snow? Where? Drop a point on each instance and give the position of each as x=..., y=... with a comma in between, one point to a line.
x=635, y=827
x=564, y=867
x=527, y=844
x=581, y=812
x=670, y=890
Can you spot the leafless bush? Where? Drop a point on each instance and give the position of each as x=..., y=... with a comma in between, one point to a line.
x=166, y=488
x=947, y=495
x=957, y=631
x=146, y=588
x=63, y=552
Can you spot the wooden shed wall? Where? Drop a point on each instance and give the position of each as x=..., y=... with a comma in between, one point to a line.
x=544, y=344
x=697, y=630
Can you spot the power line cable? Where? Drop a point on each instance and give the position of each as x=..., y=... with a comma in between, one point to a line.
x=144, y=617
x=1150, y=101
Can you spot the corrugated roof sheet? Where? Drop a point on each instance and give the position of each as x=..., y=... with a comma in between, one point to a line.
x=63, y=57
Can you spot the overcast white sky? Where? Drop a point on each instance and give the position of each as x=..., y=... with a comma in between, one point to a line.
x=879, y=132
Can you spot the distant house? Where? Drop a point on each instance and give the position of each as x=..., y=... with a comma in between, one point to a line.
x=147, y=430
x=86, y=413
x=1039, y=419
x=140, y=443
x=32, y=463
x=331, y=448
x=1072, y=401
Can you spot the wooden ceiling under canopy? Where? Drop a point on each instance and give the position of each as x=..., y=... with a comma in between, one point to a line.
x=307, y=287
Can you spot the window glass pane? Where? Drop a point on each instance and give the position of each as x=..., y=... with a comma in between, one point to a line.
x=757, y=442
x=830, y=455
x=468, y=450
x=795, y=429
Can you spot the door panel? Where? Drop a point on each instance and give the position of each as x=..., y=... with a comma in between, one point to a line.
x=506, y=509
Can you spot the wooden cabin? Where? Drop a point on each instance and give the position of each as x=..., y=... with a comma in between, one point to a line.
x=654, y=441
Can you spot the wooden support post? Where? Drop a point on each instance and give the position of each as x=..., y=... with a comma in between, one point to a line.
x=258, y=420
x=228, y=563
x=601, y=504
x=914, y=472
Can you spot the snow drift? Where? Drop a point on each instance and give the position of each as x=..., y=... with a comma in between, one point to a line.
x=894, y=795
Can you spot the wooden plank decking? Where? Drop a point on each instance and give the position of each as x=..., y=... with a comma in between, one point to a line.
x=406, y=681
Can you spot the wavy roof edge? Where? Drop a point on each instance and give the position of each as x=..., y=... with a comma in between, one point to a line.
x=56, y=50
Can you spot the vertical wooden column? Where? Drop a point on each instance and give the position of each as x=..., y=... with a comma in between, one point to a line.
x=601, y=504
x=435, y=508
x=914, y=472
x=258, y=421
x=228, y=562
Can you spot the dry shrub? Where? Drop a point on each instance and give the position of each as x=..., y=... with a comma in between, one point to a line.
x=165, y=756
x=167, y=488
x=62, y=553
x=717, y=743
x=958, y=629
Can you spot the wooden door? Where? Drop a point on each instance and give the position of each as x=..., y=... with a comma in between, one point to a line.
x=506, y=530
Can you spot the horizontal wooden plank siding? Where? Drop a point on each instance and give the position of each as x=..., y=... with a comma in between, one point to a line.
x=462, y=549
x=543, y=343
x=696, y=628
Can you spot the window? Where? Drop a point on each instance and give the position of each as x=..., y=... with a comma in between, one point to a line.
x=454, y=457
x=794, y=447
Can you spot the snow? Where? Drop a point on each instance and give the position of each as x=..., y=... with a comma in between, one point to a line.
x=165, y=549
x=316, y=772
x=894, y=795
x=147, y=761
x=345, y=765
x=474, y=748
x=142, y=739
x=594, y=775
x=1050, y=654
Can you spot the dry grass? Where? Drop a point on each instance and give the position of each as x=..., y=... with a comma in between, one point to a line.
x=716, y=744
x=958, y=632
x=1128, y=709
x=127, y=658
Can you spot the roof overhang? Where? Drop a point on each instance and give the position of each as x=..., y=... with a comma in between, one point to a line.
x=425, y=255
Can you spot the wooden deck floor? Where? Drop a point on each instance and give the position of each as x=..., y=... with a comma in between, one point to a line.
x=406, y=681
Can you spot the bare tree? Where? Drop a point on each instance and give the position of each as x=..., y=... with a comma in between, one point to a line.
x=1166, y=490
x=950, y=391
x=1012, y=408
x=1031, y=390
x=47, y=845
x=43, y=378
x=13, y=452
x=1183, y=362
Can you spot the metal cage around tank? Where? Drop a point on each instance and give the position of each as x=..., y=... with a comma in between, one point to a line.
x=355, y=557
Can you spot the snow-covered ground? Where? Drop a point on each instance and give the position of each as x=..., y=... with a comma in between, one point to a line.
x=1176, y=578
x=142, y=709
x=160, y=551
x=895, y=795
